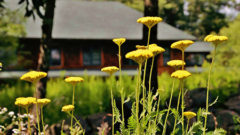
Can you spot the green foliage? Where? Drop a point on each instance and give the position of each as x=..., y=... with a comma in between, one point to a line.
x=195, y=128
x=11, y=27
x=218, y=131
x=92, y=96
x=228, y=53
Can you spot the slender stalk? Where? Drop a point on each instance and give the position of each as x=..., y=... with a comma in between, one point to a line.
x=112, y=110
x=73, y=105
x=169, y=108
x=182, y=58
x=187, y=125
x=76, y=120
x=137, y=98
x=62, y=127
x=182, y=107
x=158, y=105
x=120, y=81
x=150, y=76
x=144, y=73
x=38, y=121
x=179, y=95
x=208, y=87
x=19, y=120
x=29, y=127
x=41, y=108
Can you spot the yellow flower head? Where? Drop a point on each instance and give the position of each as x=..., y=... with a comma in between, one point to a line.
x=176, y=63
x=149, y=21
x=180, y=74
x=33, y=76
x=0, y=66
x=119, y=41
x=215, y=39
x=139, y=55
x=189, y=115
x=25, y=101
x=141, y=47
x=42, y=101
x=74, y=80
x=67, y=108
x=182, y=44
x=156, y=49
x=110, y=69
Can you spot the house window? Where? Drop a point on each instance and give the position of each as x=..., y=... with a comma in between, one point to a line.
x=166, y=56
x=193, y=59
x=91, y=57
x=55, y=57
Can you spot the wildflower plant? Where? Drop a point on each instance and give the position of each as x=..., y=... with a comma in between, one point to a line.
x=34, y=77
x=215, y=40
x=73, y=81
x=119, y=42
x=110, y=70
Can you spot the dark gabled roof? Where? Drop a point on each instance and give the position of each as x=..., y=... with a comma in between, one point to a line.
x=98, y=20
x=200, y=47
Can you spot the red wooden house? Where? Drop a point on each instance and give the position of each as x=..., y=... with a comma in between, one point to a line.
x=83, y=33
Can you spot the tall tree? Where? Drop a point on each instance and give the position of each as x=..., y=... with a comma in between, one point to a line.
x=151, y=9
x=47, y=15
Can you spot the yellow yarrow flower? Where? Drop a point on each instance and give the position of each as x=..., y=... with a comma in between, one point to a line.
x=182, y=44
x=156, y=49
x=149, y=21
x=25, y=101
x=0, y=66
x=215, y=39
x=119, y=41
x=74, y=80
x=141, y=47
x=189, y=115
x=176, y=63
x=67, y=108
x=42, y=101
x=110, y=69
x=33, y=76
x=139, y=55
x=180, y=74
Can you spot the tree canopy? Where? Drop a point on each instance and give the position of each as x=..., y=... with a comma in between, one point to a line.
x=11, y=27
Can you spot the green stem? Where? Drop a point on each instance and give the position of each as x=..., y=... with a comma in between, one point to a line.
x=76, y=120
x=208, y=87
x=158, y=105
x=187, y=125
x=150, y=76
x=137, y=98
x=73, y=105
x=38, y=121
x=175, y=122
x=149, y=33
x=62, y=127
x=41, y=108
x=169, y=108
x=182, y=107
x=144, y=73
x=112, y=109
x=19, y=120
x=29, y=128
x=120, y=81
x=182, y=59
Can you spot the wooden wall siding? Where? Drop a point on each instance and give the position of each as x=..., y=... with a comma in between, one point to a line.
x=72, y=57
x=176, y=54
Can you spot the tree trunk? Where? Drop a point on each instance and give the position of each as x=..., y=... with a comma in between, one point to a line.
x=44, y=52
x=151, y=9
